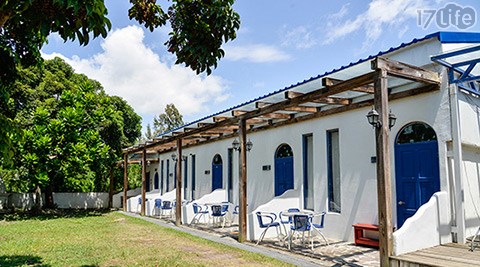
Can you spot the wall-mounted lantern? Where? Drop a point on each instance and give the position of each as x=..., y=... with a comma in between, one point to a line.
x=374, y=119
x=236, y=145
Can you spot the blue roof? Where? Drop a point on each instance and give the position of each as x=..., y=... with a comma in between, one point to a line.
x=443, y=37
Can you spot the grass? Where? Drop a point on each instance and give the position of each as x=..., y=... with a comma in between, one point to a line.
x=93, y=238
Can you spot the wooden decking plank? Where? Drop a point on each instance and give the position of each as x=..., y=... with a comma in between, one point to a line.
x=429, y=261
x=458, y=251
x=445, y=255
x=453, y=258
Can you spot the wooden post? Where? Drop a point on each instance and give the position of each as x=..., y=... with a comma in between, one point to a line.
x=144, y=181
x=384, y=190
x=242, y=218
x=125, y=180
x=178, y=207
x=110, y=191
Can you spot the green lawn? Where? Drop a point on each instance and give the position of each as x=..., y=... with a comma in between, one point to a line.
x=87, y=238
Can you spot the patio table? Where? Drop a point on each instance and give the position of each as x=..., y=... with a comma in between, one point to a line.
x=290, y=214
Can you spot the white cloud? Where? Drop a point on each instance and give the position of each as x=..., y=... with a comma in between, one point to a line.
x=128, y=68
x=300, y=37
x=380, y=14
x=257, y=53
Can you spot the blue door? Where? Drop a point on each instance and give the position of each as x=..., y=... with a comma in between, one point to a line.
x=147, y=185
x=416, y=169
x=217, y=172
x=283, y=169
x=155, y=181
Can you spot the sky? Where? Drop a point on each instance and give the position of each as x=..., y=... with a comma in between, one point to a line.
x=278, y=44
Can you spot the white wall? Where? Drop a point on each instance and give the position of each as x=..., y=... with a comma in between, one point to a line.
x=117, y=198
x=471, y=173
x=469, y=108
x=94, y=200
x=429, y=227
x=24, y=201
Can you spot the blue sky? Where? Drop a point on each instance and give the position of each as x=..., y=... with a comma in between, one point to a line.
x=279, y=43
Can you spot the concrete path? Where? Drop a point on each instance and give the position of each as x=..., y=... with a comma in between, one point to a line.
x=286, y=257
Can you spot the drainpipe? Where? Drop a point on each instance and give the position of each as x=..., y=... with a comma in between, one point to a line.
x=459, y=218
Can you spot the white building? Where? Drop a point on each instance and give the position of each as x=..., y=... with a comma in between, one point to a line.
x=314, y=149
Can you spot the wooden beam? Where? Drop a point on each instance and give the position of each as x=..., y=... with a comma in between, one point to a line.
x=405, y=71
x=144, y=181
x=258, y=121
x=219, y=118
x=328, y=82
x=308, y=97
x=266, y=115
x=178, y=206
x=324, y=100
x=261, y=104
x=125, y=180
x=366, y=103
x=384, y=189
x=242, y=218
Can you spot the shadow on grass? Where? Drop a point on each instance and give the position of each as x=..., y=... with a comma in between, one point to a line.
x=50, y=214
x=22, y=260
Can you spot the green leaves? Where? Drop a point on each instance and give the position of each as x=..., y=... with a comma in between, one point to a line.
x=167, y=121
x=72, y=132
x=199, y=28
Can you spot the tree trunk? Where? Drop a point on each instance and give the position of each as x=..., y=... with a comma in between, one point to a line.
x=110, y=193
x=37, y=208
x=49, y=197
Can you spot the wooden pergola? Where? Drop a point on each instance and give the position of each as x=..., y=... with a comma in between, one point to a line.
x=305, y=101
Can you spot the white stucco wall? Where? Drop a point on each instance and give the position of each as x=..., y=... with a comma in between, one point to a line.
x=429, y=227
x=117, y=198
x=93, y=200
x=471, y=173
x=469, y=109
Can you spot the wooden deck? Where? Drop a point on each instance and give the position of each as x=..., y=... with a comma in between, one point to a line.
x=451, y=255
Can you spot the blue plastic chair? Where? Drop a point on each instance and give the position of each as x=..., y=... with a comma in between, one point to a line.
x=167, y=206
x=317, y=227
x=199, y=213
x=301, y=223
x=157, y=208
x=272, y=217
x=220, y=212
x=286, y=219
x=139, y=204
x=235, y=213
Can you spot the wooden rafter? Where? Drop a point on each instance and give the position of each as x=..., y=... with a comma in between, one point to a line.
x=324, y=100
x=327, y=82
x=405, y=71
x=261, y=104
x=266, y=115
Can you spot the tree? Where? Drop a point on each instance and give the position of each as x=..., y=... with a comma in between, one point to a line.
x=167, y=121
x=148, y=133
x=199, y=28
x=72, y=132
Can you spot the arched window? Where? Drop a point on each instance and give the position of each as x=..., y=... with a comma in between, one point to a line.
x=217, y=172
x=416, y=132
x=217, y=160
x=283, y=169
x=284, y=151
